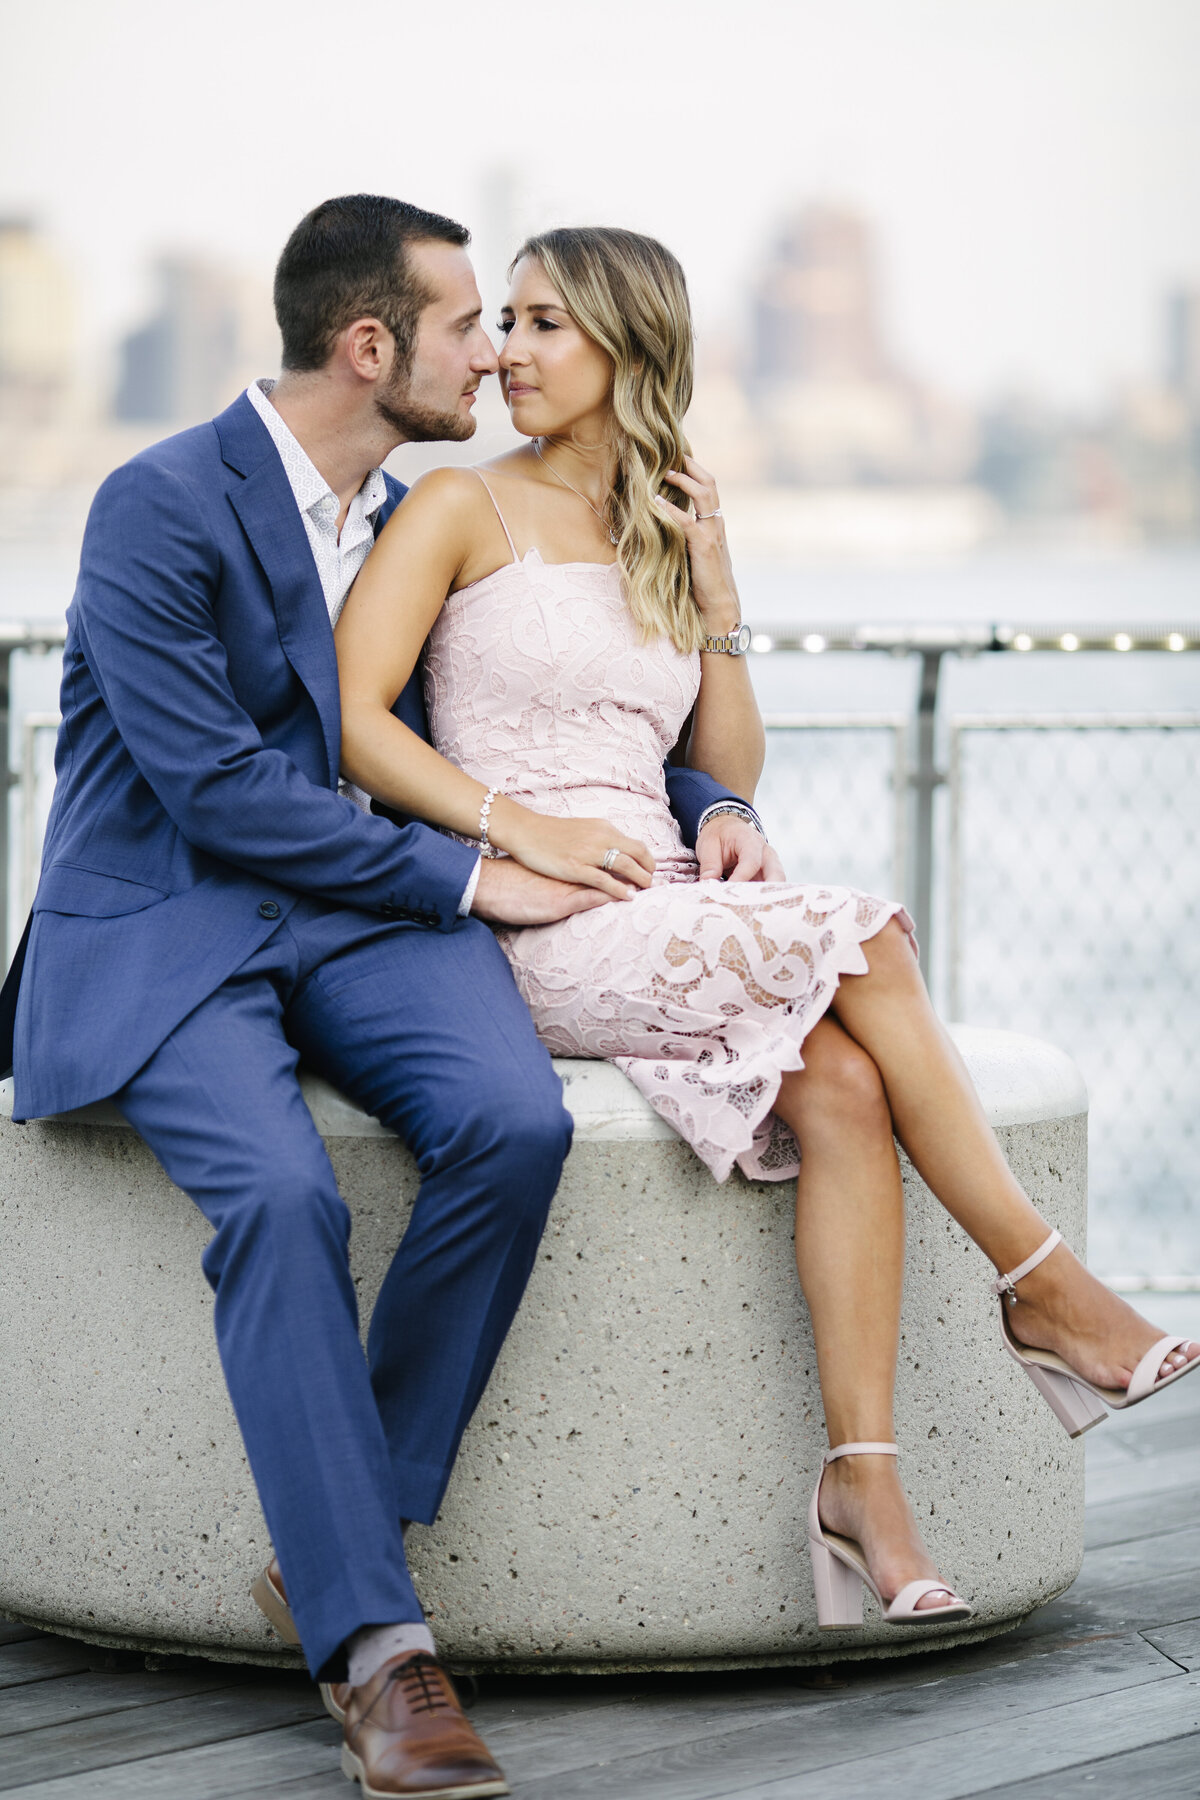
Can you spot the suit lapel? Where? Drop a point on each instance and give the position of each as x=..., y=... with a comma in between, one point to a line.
x=266, y=506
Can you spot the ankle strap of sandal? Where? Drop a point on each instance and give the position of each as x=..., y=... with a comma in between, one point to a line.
x=862, y=1450
x=1007, y=1284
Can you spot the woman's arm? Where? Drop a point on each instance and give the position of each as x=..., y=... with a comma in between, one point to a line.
x=727, y=739
x=379, y=637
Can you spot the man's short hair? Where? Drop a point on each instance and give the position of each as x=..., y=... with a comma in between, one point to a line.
x=348, y=259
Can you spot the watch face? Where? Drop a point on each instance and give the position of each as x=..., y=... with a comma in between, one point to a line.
x=741, y=640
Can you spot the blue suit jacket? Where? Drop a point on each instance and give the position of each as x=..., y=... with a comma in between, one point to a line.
x=197, y=767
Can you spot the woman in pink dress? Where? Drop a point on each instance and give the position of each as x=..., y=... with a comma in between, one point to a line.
x=583, y=623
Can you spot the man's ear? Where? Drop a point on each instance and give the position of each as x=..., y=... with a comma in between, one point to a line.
x=368, y=348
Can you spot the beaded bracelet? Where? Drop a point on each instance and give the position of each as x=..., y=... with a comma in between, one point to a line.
x=486, y=849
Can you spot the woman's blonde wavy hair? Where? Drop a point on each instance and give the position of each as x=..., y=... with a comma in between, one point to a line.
x=628, y=293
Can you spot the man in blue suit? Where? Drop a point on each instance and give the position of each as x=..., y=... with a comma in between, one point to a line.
x=212, y=910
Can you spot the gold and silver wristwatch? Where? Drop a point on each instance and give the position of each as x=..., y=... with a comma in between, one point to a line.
x=734, y=643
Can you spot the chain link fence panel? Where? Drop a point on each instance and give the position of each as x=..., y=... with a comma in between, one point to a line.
x=1074, y=903
x=833, y=798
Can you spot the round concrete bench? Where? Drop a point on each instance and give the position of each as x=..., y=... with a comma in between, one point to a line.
x=632, y=1490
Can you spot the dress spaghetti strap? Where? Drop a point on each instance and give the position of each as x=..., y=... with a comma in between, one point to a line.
x=500, y=516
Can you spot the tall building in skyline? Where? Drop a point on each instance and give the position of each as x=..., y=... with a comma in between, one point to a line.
x=209, y=335
x=815, y=304
x=832, y=407
x=38, y=346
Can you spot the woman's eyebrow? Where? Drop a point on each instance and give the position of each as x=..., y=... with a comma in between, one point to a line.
x=535, y=306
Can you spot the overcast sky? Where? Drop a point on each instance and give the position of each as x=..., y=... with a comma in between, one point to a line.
x=1033, y=166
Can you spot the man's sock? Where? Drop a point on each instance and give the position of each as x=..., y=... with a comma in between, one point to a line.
x=373, y=1645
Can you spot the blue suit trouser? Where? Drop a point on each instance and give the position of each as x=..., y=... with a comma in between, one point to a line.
x=426, y=1031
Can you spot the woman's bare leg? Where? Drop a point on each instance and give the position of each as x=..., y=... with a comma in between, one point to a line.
x=942, y=1126
x=850, y=1257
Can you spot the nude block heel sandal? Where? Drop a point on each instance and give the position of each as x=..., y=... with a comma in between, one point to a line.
x=273, y=1602
x=840, y=1570
x=1077, y=1403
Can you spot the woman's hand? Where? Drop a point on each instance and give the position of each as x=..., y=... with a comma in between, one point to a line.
x=572, y=850
x=713, y=587
x=726, y=739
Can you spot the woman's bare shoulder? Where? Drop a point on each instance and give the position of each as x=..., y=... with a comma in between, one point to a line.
x=449, y=489
x=510, y=465
x=445, y=504
x=457, y=494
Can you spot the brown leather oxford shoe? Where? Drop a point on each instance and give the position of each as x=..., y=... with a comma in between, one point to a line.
x=405, y=1736
x=270, y=1596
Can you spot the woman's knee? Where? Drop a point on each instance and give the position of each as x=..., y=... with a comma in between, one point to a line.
x=891, y=954
x=841, y=1082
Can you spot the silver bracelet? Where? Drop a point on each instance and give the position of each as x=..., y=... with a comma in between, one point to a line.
x=486, y=849
x=736, y=810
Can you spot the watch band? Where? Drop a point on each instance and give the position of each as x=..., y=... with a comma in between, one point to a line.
x=737, y=809
x=733, y=643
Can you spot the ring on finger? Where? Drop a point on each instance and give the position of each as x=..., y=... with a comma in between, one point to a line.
x=715, y=514
x=610, y=857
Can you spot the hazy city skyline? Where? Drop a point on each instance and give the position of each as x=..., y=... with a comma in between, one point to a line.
x=811, y=395
x=1033, y=170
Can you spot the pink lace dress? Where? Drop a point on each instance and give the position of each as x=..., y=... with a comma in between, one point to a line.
x=703, y=992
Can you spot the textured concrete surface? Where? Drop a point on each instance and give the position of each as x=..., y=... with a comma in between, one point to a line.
x=633, y=1488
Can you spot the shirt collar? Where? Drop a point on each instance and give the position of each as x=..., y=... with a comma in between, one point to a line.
x=373, y=493
x=311, y=490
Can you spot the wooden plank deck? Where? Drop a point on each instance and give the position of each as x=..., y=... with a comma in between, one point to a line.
x=1096, y=1695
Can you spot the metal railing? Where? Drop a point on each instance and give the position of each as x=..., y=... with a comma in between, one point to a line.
x=36, y=639
x=1068, y=896
x=38, y=729
x=932, y=644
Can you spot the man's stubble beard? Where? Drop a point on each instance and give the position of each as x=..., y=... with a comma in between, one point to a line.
x=415, y=423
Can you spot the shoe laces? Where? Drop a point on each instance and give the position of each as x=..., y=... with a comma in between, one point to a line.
x=424, y=1681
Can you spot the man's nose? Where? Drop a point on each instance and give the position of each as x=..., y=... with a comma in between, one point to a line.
x=485, y=360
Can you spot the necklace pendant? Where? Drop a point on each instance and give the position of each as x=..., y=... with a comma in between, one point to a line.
x=613, y=539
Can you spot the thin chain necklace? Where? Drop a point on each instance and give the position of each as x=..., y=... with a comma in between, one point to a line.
x=612, y=536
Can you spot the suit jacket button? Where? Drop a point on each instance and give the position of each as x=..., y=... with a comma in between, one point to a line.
x=268, y=909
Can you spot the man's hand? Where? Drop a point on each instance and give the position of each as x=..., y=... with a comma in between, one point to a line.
x=729, y=848
x=507, y=894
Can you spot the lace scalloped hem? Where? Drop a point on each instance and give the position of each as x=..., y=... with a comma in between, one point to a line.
x=766, y=1149
x=702, y=993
